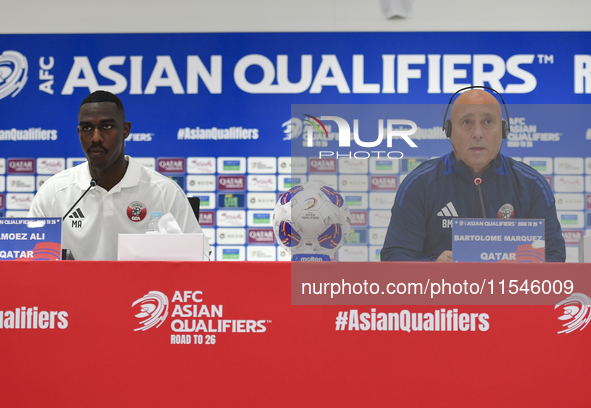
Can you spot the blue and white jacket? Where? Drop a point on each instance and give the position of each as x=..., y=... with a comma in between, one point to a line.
x=442, y=189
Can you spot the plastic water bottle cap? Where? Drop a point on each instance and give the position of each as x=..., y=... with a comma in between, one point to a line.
x=156, y=214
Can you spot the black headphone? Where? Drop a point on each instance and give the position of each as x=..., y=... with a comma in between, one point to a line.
x=447, y=124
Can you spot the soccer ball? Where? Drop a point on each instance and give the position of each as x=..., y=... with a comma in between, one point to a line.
x=311, y=219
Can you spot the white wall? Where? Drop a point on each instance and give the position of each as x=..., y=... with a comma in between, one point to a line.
x=144, y=16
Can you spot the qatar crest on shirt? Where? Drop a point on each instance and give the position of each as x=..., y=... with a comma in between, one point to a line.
x=506, y=211
x=136, y=211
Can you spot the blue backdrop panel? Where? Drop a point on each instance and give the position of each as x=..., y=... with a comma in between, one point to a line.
x=230, y=95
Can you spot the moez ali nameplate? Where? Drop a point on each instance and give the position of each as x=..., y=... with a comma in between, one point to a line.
x=496, y=240
x=38, y=239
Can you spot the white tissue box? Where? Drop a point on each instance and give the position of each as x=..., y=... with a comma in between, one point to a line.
x=160, y=247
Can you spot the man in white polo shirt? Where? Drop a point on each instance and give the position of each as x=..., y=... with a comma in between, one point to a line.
x=126, y=194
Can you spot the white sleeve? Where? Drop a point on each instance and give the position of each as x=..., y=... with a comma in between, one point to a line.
x=42, y=202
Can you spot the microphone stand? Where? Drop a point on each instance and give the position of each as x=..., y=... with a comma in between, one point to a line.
x=93, y=182
x=478, y=181
x=66, y=253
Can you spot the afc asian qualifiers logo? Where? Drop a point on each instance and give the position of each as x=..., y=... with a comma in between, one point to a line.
x=310, y=203
x=292, y=129
x=577, y=312
x=136, y=211
x=13, y=73
x=154, y=310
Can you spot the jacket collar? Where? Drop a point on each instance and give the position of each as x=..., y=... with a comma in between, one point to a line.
x=462, y=168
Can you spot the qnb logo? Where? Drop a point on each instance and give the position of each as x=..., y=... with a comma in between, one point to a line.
x=577, y=312
x=154, y=310
x=13, y=73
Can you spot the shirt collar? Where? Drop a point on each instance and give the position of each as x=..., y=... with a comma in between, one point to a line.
x=85, y=177
x=132, y=174
x=130, y=178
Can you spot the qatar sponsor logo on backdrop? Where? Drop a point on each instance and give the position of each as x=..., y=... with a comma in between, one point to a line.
x=171, y=164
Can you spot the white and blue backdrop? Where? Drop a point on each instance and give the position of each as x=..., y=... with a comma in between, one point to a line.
x=213, y=111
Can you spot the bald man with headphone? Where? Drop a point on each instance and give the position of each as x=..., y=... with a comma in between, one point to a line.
x=474, y=180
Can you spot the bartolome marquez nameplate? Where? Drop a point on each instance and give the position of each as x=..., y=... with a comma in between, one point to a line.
x=498, y=240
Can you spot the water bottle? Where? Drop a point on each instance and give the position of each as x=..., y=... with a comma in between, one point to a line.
x=152, y=227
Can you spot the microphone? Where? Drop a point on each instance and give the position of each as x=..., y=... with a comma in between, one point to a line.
x=93, y=182
x=477, y=182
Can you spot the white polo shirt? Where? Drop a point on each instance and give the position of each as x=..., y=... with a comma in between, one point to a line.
x=91, y=229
